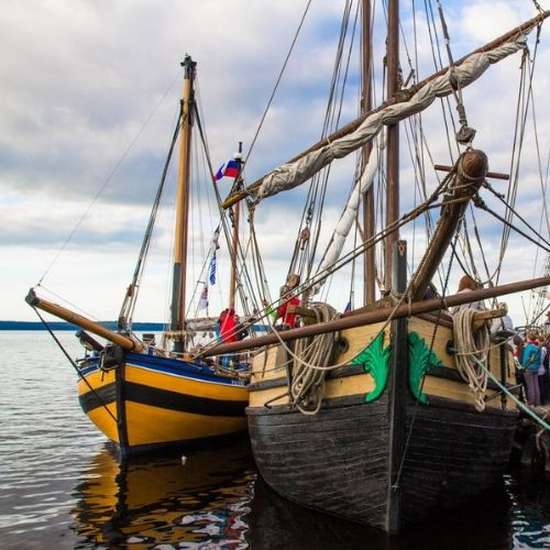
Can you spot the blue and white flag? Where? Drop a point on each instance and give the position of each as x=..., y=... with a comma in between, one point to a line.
x=348, y=307
x=212, y=270
x=203, y=300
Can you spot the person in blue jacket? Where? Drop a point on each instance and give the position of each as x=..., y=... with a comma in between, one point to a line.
x=531, y=361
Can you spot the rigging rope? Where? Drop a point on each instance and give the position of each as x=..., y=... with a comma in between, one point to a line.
x=480, y=204
x=74, y=365
x=307, y=384
x=471, y=351
x=465, y=134
x=360, y=249
x=522, y=109
x=303, y=256
x=277, y=82
x=241, y=256
x=128, y=306
x=108, y=179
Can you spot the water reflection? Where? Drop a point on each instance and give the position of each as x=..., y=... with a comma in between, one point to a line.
x=160, y=501
x=277, y=524
x=530, y=510
x=216, y=500
x=60, y=488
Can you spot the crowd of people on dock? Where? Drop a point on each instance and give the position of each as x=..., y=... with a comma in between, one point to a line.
x=532, y=355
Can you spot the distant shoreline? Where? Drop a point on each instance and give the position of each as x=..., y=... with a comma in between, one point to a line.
x=61, y=325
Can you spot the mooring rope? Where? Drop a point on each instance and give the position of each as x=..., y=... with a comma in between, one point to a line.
x=509, y=394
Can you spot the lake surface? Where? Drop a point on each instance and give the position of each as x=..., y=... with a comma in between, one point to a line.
x=61, y=487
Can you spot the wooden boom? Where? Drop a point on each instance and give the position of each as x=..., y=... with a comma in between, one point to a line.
x=377, y=316
x=471, y=169
x=71, y=317
x=400, y=96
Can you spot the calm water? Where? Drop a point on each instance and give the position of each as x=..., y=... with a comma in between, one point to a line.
x=60, y=486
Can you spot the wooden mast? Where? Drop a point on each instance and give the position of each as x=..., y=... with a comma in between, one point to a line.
x=182, y=206
x=369, y=263
x=392, y=143
x=235, y=239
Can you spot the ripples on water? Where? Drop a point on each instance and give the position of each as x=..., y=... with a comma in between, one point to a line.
x=60, y=486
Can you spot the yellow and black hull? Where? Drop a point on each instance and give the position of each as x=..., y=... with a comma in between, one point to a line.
x=146, y=402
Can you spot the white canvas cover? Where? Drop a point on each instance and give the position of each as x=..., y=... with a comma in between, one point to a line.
x=349, y=214
x=295, y=173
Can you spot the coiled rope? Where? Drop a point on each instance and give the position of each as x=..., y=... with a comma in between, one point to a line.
x=472, y=351
x=307, y=384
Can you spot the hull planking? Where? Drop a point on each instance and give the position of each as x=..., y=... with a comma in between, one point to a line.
x=148, y=403
x=382, y=454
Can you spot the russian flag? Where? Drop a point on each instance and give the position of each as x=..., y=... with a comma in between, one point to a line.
x=229, y=170
x=219, y=173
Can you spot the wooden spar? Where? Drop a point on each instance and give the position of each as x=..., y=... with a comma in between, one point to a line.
x=380, y=315
x=353, y=125
x=490, y=175
x=71, y=317
x=471, y=171
x=369, y=223
x=182, y=205
x=392, y=143
x=234, y=248
x=481, y=317
x=235, y=239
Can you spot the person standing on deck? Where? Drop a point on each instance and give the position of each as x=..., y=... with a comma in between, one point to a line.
x=467, y=284
x=289, y=318
x=531, y=361
x=227, y=323
x=518, y=347
x=544, y=375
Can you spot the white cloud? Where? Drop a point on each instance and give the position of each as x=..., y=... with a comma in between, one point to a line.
x=79, y=79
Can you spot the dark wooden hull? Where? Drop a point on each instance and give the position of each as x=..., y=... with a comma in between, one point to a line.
x=397, y=440
x=455, y=454
x=335, y=461
x=338, y=460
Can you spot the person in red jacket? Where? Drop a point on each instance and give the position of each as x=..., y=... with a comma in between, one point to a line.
x=289, y=318
x=227, y=327
x=228, y=322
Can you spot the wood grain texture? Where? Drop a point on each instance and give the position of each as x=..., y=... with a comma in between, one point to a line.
x=454, y=454
x=360, y=384
x=335, y=461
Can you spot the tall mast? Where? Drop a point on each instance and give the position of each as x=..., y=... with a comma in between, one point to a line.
x=182, y=204
x=235, y=240
x=392, y=144
x=369, y=264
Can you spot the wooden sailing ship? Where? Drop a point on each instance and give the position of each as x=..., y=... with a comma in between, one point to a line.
x=388, y=413
x=385, y=428
x=145, y=397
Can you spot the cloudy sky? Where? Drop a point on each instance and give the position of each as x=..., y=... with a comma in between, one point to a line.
x=88, y=102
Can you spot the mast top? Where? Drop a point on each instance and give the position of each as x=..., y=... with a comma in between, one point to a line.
x=189, y=65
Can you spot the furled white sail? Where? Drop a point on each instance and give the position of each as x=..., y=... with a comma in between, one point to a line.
x=349, y=214
x=295, y=173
